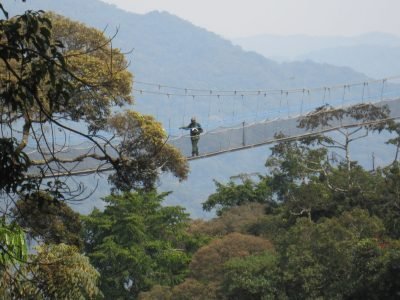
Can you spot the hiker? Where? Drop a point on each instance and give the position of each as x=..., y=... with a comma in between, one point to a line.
x=195, y=131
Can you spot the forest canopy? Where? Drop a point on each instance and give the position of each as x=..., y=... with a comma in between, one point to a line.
x=313, y=226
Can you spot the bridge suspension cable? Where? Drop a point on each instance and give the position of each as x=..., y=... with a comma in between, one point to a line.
x=168, y=90
x=243, y=146
x=231, y=124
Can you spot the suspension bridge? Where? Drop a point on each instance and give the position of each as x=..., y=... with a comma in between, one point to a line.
x=235, y=120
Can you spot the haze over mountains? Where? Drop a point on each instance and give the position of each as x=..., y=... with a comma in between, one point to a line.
x=374, y=54
x=171, y=51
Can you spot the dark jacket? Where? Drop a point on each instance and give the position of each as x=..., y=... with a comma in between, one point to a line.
x=195, y=128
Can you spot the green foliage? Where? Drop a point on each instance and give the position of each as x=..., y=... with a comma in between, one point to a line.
x=386, y=202
x=54, y=272
x=190, y=289
x=292, y=164
x=235, y=219
x=328, y=115
x=207, y=263
x=157, y=292
x=143, y=152
x=232, y=194
x=193, y=289
x=136, y=243
x=66, y=71
x=93, y=63
x=44, y=217
x=331, y=227
x=207, y=268
x=13, y=165
x=62, y=78
x=319, y=259
x=253, y=277
x=13, y=248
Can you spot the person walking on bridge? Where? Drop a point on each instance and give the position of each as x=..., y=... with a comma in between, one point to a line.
x=195, y=131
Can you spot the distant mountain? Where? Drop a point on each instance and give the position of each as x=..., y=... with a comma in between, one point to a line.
x=171, y=51
x=374, y=61
x=290, y=47
x=374, y=54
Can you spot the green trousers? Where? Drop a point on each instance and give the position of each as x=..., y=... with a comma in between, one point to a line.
x=195, y=149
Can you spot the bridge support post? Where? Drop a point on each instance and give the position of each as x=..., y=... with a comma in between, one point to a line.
x=243, y=135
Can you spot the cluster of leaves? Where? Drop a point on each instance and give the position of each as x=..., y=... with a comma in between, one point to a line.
x=12, y=243
x=14, y=164
x=144, y=152
x=54, y=272
x=48, y=220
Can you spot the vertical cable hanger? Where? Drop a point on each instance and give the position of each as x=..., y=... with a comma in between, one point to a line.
x=324, y=97
x=363, y=92
x=383, y=88
x=344, y=94
x=287, y=104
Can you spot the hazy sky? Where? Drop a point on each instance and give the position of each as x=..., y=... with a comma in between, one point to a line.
x=237, y=18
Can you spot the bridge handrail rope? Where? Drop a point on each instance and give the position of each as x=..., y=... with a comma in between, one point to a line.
x=101, y=169
x=239, y=93
x=218, y=130
x=274, y=113
x=240, y=126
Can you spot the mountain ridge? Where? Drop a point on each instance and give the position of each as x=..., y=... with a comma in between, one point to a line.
x=292, y=46
x=374, y=54
x=163, y=43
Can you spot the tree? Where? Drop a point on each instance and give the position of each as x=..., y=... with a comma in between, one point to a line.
x=190, y=289
x=12, y=244
x=395, y=128
x=368, y=117
x=385, y=199
x=43, y=216
x=207, y=267
x=60, y=79
x=206, y=264
x=60, y=83
x=55, y=272
x=320, y=260
x=233, y=194
x=137, y=243
x=253, y=277
x=143, y=152
x=235, y=219
x=311, y=183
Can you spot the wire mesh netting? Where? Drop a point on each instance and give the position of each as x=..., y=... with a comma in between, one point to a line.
x=245, y=135
x=232, y=120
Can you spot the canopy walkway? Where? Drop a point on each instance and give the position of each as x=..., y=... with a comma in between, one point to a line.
x=239, y=120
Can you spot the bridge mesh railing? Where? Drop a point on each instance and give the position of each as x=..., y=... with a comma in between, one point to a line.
x=246, y=135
